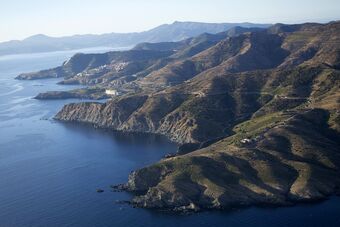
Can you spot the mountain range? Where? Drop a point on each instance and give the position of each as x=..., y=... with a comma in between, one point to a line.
x=166, y=32
x=255, y=112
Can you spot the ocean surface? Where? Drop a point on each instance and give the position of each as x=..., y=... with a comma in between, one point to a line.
x=49, y=171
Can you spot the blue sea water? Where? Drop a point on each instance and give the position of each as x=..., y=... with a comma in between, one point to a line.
x=49, y=171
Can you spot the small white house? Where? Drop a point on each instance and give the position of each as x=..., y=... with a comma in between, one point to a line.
x=111, y=92
x=246, y=141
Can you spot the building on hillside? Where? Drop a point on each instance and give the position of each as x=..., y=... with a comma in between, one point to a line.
x=111, y=92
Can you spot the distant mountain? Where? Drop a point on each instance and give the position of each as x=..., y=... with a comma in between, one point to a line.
x=142, y=59
x=164, y=33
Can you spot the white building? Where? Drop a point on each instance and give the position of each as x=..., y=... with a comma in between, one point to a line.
x=245, y=141
x=111, y=92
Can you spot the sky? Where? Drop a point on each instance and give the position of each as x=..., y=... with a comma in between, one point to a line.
x=22, y=18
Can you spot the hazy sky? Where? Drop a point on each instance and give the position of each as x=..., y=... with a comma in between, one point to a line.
x=22, y=18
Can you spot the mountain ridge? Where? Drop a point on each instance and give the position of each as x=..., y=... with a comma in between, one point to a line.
x=166, y=32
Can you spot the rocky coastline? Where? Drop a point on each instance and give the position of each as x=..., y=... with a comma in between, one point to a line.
x=256, y=115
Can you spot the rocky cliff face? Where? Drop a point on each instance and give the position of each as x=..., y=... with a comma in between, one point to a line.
x=262, y=106
x=210, y=106
x=296, y=160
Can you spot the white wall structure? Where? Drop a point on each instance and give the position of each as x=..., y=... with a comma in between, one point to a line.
x=111, y=92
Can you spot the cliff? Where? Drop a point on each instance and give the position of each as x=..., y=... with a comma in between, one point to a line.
x=296, y=160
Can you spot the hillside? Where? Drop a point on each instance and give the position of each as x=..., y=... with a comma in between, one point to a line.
x=140, y=61
x=166, y=32
x=296, y=160
x=257, y=116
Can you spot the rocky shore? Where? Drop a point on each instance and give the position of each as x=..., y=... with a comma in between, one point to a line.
x=277, y=170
